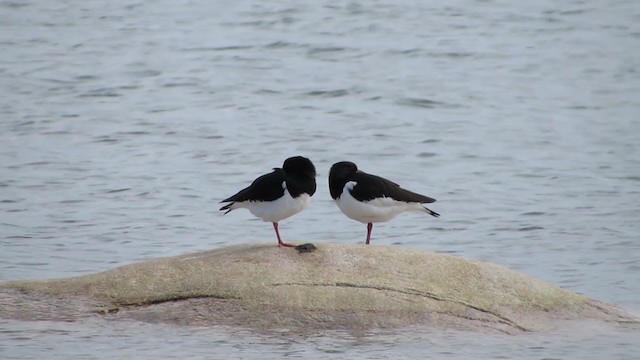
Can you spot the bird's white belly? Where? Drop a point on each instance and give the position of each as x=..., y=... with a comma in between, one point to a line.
x=376, y=210
x=280, y=209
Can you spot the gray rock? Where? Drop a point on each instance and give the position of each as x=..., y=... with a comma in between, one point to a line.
x=331, y=287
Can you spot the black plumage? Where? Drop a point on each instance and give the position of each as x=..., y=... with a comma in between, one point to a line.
x=298, y=173
x=369, y=187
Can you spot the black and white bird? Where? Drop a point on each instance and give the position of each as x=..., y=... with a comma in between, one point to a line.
x=279, y=194
x=369, y=198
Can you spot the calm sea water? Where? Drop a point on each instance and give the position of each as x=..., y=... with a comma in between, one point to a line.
x=123, y=123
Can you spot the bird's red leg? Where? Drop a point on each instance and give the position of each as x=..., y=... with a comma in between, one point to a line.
x=280, y=242
x=369, y=227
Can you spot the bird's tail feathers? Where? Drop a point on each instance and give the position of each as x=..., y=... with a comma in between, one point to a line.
x=227, y=207
x=431, y=212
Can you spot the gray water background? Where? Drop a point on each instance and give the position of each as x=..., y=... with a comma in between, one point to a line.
x=123, y=123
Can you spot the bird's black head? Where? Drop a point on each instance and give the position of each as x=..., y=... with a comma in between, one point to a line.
x=299, y=166
x=339, y=175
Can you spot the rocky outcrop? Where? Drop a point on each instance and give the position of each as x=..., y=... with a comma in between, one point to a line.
x=333, y=287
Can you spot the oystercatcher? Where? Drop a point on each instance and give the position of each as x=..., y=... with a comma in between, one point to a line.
x=279, y=194
x=369, y=198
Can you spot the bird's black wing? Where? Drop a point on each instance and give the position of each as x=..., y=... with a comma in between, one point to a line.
x=267, y=187
x=369, y=187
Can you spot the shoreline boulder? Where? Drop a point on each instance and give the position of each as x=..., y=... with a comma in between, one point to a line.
x=332, y=287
